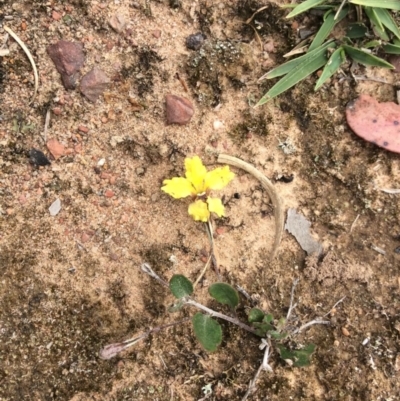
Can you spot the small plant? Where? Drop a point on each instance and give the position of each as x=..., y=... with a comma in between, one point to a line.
x=364, y=37
x=274, y=333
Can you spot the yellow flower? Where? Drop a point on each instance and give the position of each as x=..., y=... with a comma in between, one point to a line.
x=198, y=184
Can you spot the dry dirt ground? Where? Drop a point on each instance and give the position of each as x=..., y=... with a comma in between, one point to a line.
x=70, y=284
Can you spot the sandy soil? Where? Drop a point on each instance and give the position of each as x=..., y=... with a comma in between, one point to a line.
x=71, y=283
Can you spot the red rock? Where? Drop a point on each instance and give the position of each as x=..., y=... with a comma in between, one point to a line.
x=85, y=238
x=56, y=148
x=179, y=110
x=108, y=193
x=156, y=33
x=68, y=58
x=94, y=83
x=83, y=129
x=57, y=111
x=56, y=15
x=375, y=122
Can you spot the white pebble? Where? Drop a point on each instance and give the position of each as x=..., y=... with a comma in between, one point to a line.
x=101, y=162
x=218, y=125
x=55, y=207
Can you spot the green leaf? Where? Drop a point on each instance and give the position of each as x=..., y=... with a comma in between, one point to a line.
x=304, y=6
x=387, y=20
x=268, y=318
x=277, y=335
x=331, y=67
x=365, y=58
x=180, y=286
x=391, y=4
x=372, y=44
x=315, y=60
x=256, y=315
x=391, y=49
x=356, y=30
x=299, y=357
x=262, y=328
x=377, y=25
x=326, y=27
x=293, y=64
x=207, y=331
x=224, y=294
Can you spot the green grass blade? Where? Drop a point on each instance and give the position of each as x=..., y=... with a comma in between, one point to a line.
x=391, y=49
x=303, y=70
x=365, y=58
x=371, y=13
x=326, y=28
x=292, y=64
x=376, y=23
x=391, y=4
x=387, y=20
x=304, y=6
x=331, y=67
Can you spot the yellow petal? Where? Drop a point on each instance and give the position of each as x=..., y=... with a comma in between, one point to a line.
x=178, y=187
x=218, y=178
x=215, y=205
x=195, y=173
x=199, y=211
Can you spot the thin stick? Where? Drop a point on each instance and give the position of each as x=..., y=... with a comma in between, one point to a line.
x=28, y=53
x=46, y=125
x=219, y=315
x=292, y=306
x=316, y=321
x=145, y=268
x=354, y=223
x=264, y=366
x=203, y=271
x=210, y=234
x=334, y=306
x=266, y=183
x=111, y=350
x=340, y=9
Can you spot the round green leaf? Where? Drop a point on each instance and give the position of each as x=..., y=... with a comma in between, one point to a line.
x=180, y=286
x=224, y=294
x=207, y=331
x=256, y=315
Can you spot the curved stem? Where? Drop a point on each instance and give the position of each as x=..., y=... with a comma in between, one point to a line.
x=220, y=315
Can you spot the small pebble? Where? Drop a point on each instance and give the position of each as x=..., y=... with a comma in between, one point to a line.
x=345, y=332
x=55, y=207
x=218, y=124
x=118, y=22
x=101, y=162
x=156, y=33
x=56, y=148
x=83, y=128
x=94, y=83
x=56, y=15
x=57, y=111
x=108, y=193
x=38, y=158
x=179, y=110
x=140, y=171
x=195, y=41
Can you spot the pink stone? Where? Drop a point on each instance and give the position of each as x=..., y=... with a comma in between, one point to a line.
x=375, y=122
x=68, y=58
x=94, y=83
x=56, y=148
x=179, y=110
